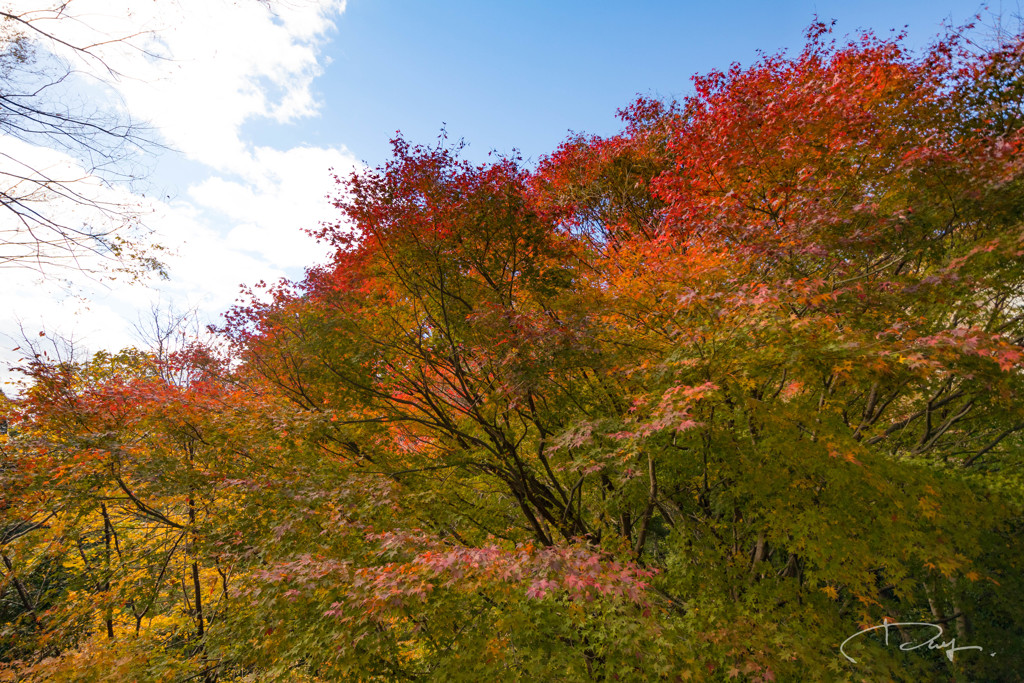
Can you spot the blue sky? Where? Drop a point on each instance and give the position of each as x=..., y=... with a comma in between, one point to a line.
x=504, y=75
x=258, y=103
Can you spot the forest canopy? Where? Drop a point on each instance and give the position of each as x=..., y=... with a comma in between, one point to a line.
x=700, y=400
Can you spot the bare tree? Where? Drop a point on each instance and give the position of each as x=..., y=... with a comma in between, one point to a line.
x=65, y=207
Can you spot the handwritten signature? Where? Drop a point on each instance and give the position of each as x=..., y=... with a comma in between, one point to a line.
x=933, y=643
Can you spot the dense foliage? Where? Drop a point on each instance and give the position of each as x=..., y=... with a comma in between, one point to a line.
x=698, y=401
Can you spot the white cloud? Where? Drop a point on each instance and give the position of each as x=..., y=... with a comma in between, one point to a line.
x=198, y=69
x=281, y=194
x=51, y=206
x=221, y=63
x=207, y=271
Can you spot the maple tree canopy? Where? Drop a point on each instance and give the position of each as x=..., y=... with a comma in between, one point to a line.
x=697, y=401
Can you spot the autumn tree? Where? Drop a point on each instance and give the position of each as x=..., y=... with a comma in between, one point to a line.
x=755, y=345
x=834, y=275
x=698, y=401
x=113, y=477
